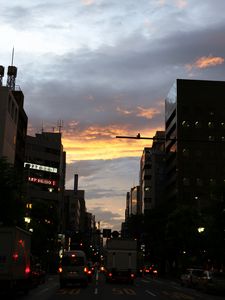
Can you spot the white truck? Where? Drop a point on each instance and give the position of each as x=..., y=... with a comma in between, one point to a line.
x=14, y=259
x=120, y=259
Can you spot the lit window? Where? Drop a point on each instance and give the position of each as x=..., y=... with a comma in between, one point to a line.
x=211, y=138
x=210, y=124
x=197, y=124
x=222, y=124
x=185, y=124
x=222, y=138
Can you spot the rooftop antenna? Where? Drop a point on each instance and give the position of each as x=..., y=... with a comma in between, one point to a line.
x=60, y=125
x=12, y=72
x=12, y=56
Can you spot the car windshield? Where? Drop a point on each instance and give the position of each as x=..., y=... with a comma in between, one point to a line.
x=72, y=261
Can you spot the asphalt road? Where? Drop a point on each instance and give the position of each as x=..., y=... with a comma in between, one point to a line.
x=98, y=289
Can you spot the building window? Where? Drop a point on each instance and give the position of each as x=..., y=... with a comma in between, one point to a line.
x=210, y=124
x=212, y=181
x=198, y=153
x=222, y=124
x=199, y=182
x=186, y=181
x=197, y=124
x=211, y=138
x=185, y=124
x=185, y=152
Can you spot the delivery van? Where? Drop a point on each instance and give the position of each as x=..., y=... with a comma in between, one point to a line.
x=73, y=268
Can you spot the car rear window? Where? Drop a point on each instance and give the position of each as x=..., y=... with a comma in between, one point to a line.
x=72, y=261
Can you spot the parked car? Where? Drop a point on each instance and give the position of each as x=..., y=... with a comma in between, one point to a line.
x=191, y=277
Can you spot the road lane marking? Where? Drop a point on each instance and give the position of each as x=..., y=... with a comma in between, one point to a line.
x=96, y=291
x=150, y=293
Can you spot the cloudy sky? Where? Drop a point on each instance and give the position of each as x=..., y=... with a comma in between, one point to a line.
x=104, y=68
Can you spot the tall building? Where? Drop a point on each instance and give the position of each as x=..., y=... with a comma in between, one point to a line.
x=195, y=191
x=45, y=164
x=152, y=173
x=195, y=142
x=13, y=120
x=145, y=179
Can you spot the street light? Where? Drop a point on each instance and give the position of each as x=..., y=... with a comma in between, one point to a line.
x=201, y=229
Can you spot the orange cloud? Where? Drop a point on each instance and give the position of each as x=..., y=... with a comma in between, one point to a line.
x=206, y=62
x=101, y=143
x=124, y=111
x=147, y=113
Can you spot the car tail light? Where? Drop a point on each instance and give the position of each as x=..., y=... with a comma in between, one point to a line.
x=60, y=269
x=132, y=275
x=155, y=271
x=85, y=269
x=27, y=270
x=15, y=256
x=110, y=274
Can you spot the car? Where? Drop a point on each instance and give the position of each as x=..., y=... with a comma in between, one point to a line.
x=150, y=269
x=90, y=270
x=190, y=277
x=37, y=273
x=73, y=268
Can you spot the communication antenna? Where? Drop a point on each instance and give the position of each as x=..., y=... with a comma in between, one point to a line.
x=12, y=72
x=12, y=56
x=60, y=125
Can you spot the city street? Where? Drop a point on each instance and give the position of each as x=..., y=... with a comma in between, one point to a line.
x=146, y=288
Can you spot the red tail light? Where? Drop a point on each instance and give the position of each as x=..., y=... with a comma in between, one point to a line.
x=60, y=269
x=110, y=274
x=27, y=270
x=85, y=269
x=132, y=275
x=15, y=256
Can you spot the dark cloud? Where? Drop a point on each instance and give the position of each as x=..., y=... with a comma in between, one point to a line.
x=107, y=218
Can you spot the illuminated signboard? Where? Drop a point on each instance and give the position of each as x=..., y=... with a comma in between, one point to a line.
x=42, y=180
x=40, y=167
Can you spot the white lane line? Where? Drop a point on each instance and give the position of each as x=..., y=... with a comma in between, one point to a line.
x=96, y=291
x=150, y=293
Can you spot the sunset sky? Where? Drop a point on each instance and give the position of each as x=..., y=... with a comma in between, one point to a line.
x=104, y=68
